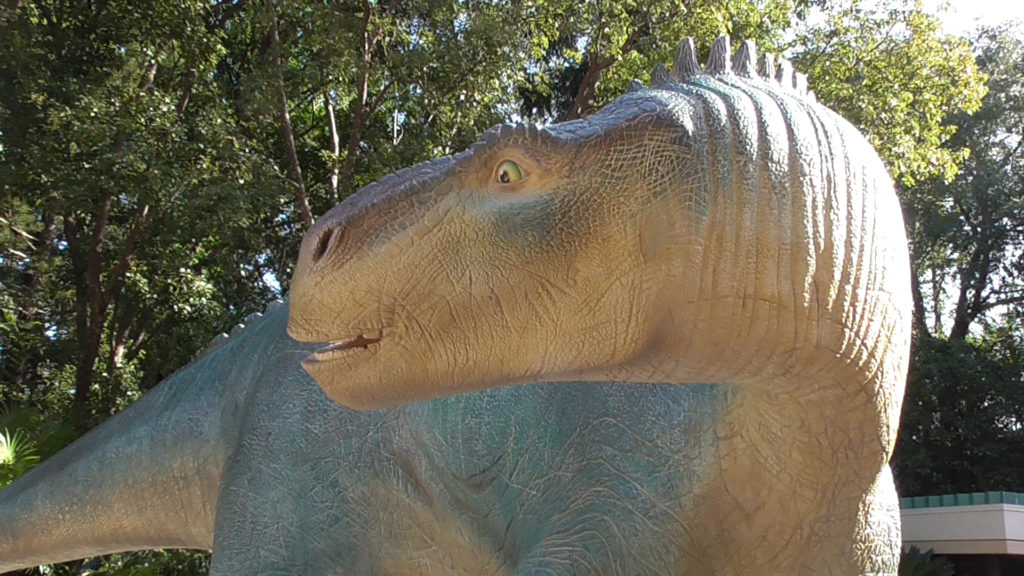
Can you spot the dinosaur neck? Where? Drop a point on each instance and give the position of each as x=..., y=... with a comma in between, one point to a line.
x=147, y=478
x=808, y=447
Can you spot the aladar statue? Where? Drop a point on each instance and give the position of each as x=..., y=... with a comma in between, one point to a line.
x=669, y=338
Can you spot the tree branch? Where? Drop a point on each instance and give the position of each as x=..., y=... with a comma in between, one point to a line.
x=148, y=77
x=124, y=261
x=1003, y=302
x=588, y=86
x=375, y=104
x=973, y=277
x=919, y=313
x=332, y=127
x=364, y=107
x=186, y=92
x=93, y=262
x=228, y=13
x=30, y=239
x=294, y=169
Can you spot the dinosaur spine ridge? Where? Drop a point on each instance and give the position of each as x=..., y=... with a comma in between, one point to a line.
x=766, y=67
x=223, y=338
x=745, y=62
x=720, y=62
x=661, y=76
x=685, y=64
x=785, y=74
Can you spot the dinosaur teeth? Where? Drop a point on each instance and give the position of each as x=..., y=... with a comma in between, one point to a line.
x=357, y=342
x=332, y=349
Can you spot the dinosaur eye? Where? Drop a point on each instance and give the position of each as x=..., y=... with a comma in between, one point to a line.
x=508, y=172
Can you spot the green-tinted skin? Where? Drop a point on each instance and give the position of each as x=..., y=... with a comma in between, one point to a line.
x=241, y=452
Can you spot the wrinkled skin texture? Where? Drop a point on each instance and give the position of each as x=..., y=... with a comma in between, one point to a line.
x=541, y=479
x=252, y=460
x=724, y=231
x=718, y=227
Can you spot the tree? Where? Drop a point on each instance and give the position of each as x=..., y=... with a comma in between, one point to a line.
x=968, y=233
x=963, y=421
x=149, y=162
x=113, y=137
x=961, y=426
x=583, y=55
x=888, y=69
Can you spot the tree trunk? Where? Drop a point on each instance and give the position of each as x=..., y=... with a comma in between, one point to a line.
x=583, y=102
x=919, y=312
x=87, y=345
x=969, y=304
x=93, y=297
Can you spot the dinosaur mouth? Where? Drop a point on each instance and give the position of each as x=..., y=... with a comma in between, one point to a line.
x=340, y=347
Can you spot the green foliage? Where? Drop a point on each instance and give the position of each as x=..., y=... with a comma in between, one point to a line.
x=154, y=563
x=968, y=233
x=121, y=168
x=26, y=438
x=17, y=456
x=890, y=70
x=913, y=562
x=583, y=54
x=143, y=563
x=962, y=417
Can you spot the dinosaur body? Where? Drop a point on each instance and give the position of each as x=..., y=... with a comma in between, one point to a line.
x=541, y=479
x=252, y=460
x=726, y=250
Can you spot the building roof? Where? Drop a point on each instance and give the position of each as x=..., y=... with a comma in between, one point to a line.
x=976, y=523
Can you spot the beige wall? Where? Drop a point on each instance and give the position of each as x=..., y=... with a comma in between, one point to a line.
x=978, y=529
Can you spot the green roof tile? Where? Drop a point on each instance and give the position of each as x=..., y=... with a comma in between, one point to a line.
x=972, y=499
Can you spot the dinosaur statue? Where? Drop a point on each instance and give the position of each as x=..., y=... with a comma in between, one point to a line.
x=718, y=229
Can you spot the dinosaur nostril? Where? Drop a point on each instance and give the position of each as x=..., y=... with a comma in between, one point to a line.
x=322, y=244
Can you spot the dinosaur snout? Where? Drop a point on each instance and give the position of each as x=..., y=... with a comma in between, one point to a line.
x=324, y=253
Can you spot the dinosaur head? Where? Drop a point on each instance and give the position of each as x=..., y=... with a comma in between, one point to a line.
x=537, y=255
